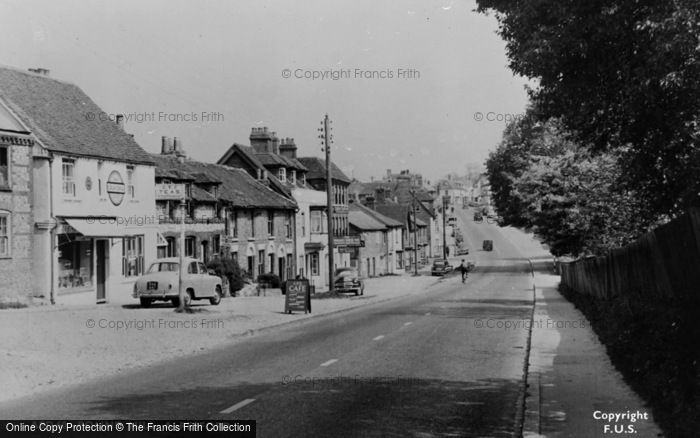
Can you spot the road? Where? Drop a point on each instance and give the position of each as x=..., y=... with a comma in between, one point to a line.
x=434, y=364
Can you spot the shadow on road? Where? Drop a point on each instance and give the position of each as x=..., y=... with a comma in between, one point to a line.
x=340, y=406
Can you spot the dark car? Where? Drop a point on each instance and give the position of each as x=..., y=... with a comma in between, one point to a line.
x=440, y=267
x=463, y=251
x=348, y=280
x=478, y=216
x=488, y=245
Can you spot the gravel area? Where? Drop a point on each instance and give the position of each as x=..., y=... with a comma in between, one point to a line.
x=50, y=346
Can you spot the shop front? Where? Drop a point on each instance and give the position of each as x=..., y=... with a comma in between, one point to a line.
x=87, y=254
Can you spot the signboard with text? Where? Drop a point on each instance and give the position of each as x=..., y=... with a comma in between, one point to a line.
x=347, y=241
x=166, y=192
x=297, y=296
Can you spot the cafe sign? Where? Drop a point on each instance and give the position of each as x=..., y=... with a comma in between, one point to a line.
x=115, y=188
x=170, y=192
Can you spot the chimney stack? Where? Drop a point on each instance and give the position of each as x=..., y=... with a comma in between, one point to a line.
x=120, y=121
x=177, y=147
x=40, y=71
x=288, y=148
x=275, y=144
x=260, y=140
x=166, y=146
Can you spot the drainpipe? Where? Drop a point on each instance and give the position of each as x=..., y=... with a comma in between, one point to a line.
x=52, y=233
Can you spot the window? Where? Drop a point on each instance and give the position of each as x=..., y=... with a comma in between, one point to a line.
x=314, y=263
x=288, y=225
x=5, y=166
x=294, y=177
x=252, y=223
x=68, y=177
x=234, y=224
x=261, y=262
x=99, y=178
x=75, y=262
x=171, y=250
x=317, y=222
x=290, y=268
x=303, y=179
x=270, y=223
x=192, y=268
x=251, y=265
x=130, y=181
x=303, y=224
x=202, y=268
x=190, y=249
x=282, y=176
x=5, y=233
x=216, y=244
x=132, y=256
x=272, y=263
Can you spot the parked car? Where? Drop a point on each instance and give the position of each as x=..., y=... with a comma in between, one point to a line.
x=441, y=267
x=462, y=251
x=348, y=280
x=161, y=283
x=478, y=216
x=488, y=245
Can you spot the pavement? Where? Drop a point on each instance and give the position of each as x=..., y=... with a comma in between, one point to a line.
x=47, y=347
x=572, y=385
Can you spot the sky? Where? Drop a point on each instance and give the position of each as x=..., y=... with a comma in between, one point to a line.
x=408, y=84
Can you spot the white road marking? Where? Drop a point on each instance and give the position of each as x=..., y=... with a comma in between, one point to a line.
x=329, y=362
x=238, y=406
x=378, y=338
x=407, y=323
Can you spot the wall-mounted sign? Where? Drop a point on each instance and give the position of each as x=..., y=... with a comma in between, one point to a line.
x=166, y=192
x=347, y=241
x=88, y=183
x=115, y=187
x=297, y=296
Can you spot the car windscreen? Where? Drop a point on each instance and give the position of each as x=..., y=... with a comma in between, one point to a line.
x=346, y=274
x=163, y=267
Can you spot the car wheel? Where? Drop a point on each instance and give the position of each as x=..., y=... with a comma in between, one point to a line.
x=216, y=299
x=145, y=302
x=362, y=291
x=357, y=292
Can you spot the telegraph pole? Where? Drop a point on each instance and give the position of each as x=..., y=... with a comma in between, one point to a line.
x=415, y=237
x=444, y=230
x=327, y=139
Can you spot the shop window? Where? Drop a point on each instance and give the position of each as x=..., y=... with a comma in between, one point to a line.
x=171, y=249
x=68, y=167
x=5, y=166
x=74, y=261
x=132, y=256
x=5, y=225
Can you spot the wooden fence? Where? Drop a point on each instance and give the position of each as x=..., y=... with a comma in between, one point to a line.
x=664, y=263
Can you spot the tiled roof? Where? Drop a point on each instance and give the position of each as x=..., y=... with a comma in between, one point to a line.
x=399, y=212
x=65, y=119
x=386, y=220
x=360, y=219
x=237, y=186
x=317, y=169
x=249, y=154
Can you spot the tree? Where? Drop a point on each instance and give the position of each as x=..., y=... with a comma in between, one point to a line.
x=622, y=76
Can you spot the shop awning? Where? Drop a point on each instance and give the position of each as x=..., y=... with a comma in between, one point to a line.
x=313, y=246
x=100, y=227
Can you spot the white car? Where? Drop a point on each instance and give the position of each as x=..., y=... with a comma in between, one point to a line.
x=161, y=282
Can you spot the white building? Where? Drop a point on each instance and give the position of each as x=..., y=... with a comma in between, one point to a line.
x=93, y=191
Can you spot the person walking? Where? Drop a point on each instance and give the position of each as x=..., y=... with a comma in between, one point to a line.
x=463, y=269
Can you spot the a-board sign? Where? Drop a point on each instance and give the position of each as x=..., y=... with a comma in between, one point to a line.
x=297, y=296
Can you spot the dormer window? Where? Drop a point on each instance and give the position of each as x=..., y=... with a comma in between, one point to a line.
x=282, y=174
x=294, y=176
x=68, y=169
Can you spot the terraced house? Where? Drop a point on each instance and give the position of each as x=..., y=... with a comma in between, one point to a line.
x=227, y=213
x=91, y=191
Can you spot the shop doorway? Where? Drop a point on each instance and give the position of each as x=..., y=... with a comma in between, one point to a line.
x=101, y=248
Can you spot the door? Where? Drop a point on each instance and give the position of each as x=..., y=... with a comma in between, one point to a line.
x=280, y=269
x=101, y=268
